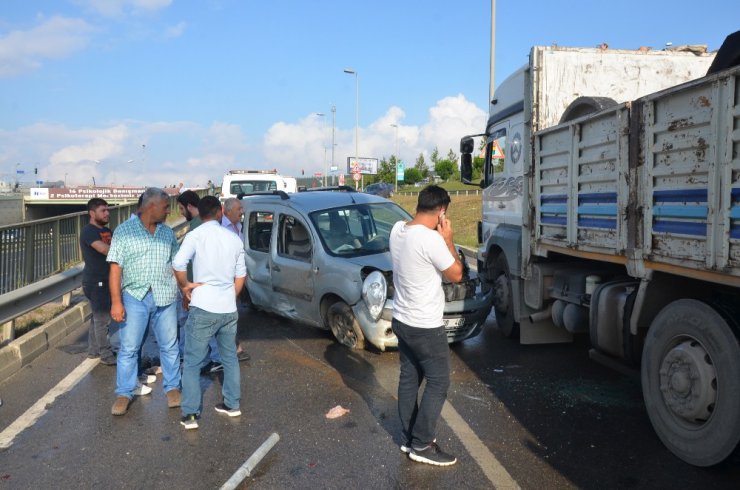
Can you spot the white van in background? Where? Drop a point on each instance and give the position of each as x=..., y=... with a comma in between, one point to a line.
x=248, y=182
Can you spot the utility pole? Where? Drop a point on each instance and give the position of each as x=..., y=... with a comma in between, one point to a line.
x=333, y=125
x=493, y=53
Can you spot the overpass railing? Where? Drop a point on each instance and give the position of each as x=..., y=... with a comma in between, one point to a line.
x=39, y=249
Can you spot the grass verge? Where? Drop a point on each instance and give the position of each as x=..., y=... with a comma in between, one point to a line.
x=464, y=214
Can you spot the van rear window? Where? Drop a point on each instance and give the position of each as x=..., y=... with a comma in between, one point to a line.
x=252, y=186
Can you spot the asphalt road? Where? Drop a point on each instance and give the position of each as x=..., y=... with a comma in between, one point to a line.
x=548, y=415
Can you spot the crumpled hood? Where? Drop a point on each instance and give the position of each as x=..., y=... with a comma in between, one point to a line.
x=380, y=261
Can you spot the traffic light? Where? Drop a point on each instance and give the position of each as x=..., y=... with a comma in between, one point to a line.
x=36, y=170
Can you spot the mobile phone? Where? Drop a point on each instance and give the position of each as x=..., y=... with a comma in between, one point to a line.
x=441, y=217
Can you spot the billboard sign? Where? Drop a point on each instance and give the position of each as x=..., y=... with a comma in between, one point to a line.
x=367, y=166
x=400, y=169
x=86, y=193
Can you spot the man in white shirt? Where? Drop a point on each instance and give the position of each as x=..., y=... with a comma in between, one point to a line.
x=422, y=251
x=219, y=272
x=233, y=216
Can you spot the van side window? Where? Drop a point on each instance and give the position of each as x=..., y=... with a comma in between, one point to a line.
x=259, y=232
x=294, y=240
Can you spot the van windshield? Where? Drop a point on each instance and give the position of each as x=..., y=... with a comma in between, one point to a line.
x=360, y=229
x=251, y=186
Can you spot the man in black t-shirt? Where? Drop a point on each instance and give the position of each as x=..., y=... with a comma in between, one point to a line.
x=95, y=241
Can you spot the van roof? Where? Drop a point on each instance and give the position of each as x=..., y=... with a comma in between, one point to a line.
x=234, y=172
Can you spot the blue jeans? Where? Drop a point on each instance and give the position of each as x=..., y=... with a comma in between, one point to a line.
x=163, y=321
x=424, y=353
x=182, y=318
x=199, y=329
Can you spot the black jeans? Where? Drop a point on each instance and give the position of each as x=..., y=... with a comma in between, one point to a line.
x=98, y=295
x=424, y=353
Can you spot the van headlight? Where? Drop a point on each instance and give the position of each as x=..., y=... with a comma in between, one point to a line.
x=374, y=293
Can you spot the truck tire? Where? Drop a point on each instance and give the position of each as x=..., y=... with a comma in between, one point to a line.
x=691, y=382
x=585, y=105
x=503, y=298
x=344, y=326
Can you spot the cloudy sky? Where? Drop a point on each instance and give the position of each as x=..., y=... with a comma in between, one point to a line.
x=156, y=92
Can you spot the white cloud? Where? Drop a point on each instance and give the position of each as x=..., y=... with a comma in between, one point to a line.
x=175, y=31
x=118, y=8
x=292, y=147
x=55, y=38
x=168, y=152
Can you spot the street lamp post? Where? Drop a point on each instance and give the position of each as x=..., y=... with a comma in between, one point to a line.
x=397, y=159
x=321, y=115
x=357, y=118
x=333, y=119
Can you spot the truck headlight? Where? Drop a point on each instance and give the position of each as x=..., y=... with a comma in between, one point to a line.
x=374, y=293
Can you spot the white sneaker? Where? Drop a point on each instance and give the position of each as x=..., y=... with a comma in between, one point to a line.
x=141, y=390
x=147, y=378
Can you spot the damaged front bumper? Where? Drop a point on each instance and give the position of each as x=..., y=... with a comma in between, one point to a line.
x=462, y=319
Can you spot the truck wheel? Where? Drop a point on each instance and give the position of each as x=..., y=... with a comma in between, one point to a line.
x=344, y=326
x=691, y=382
x=503, y=298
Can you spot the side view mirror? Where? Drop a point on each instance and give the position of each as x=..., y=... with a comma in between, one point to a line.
x=467, y=145
x=466, y=168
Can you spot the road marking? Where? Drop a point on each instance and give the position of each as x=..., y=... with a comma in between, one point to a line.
x=496, y=473
x=491, y=467
x=245, y=470
x=39, y=408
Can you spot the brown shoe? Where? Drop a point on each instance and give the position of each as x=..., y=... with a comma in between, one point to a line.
x=173, y=398
x=120, y=406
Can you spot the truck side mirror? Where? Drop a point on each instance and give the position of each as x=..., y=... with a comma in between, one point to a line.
x=466, y=168
x=467, y=145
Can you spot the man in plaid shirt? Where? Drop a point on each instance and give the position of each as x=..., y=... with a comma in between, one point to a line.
x=143, y=291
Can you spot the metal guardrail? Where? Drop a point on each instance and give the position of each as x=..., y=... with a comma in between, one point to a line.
x=28, y=298
x=464, y=192
x=54, y=262
x=38, y=249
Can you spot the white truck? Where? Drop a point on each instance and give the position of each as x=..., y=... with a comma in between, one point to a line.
x=611, y=207
x=246, y=182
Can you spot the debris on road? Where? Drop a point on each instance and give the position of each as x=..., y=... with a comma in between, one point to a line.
x=336, y=412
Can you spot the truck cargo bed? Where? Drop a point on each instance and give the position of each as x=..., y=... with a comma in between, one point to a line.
x=654, y=183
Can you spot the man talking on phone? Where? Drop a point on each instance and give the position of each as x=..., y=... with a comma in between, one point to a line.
x=423, y=252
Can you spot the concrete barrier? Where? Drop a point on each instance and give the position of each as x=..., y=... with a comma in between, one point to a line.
x=10, y=361
x=28, y=347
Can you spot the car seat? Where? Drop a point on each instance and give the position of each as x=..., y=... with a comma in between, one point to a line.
x=299, y=245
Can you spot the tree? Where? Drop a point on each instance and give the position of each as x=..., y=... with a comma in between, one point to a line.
x=435, y=156
x=412, y=176
x=452, y=156
x=387, y=170
x=421, y=166
x=445, y=169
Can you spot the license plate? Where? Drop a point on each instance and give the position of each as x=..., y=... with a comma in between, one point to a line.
x=453, y=322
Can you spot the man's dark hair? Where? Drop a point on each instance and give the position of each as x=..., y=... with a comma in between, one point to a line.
x=431, y=198
x=95, y=203
x=208, y=207
x=188, y=198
